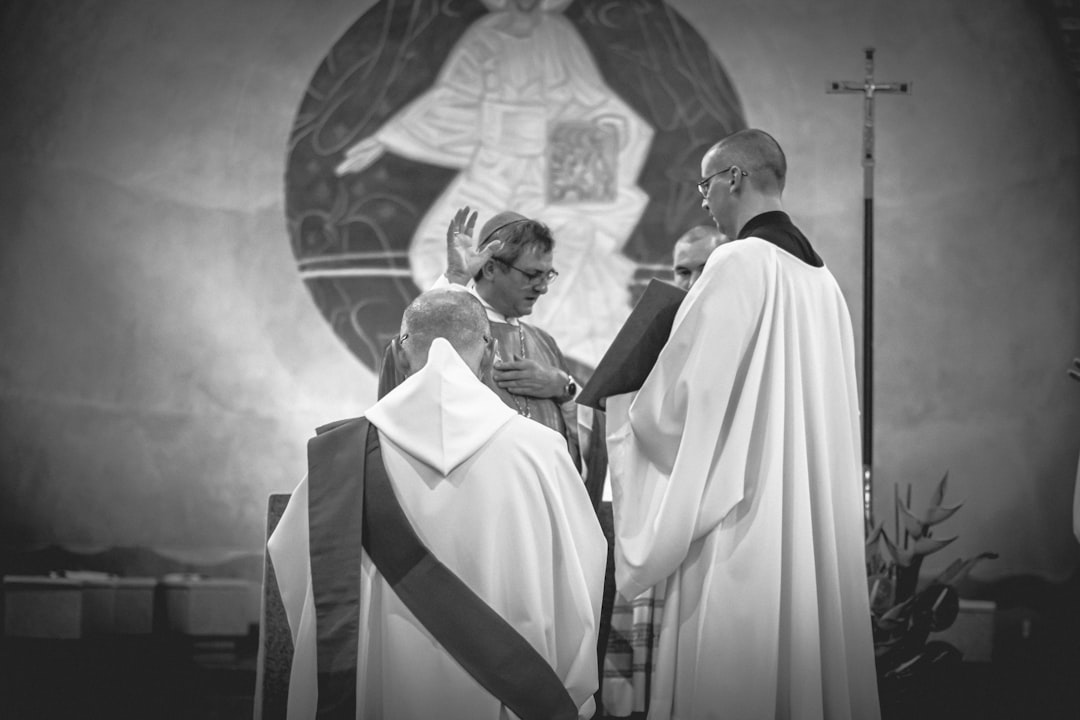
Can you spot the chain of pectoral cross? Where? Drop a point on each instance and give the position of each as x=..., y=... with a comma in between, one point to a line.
x=522, y=410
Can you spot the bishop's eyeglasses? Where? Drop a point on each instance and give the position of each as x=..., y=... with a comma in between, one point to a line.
x=548, y=276
x=703, y=186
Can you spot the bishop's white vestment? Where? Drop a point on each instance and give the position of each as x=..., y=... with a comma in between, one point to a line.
x=736, y=483
x=496, y=499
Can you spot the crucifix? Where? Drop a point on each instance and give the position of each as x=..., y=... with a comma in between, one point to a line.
x=869, y=89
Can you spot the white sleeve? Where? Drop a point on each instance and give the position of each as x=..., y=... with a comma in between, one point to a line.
x=442, y=126
x=578, y=581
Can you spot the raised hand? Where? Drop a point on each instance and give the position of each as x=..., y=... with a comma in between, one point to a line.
x=463, y=260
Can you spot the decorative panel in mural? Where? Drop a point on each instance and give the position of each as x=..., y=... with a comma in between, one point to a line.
x=588, y=116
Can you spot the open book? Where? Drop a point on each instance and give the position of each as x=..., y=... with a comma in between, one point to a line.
x=634, y=350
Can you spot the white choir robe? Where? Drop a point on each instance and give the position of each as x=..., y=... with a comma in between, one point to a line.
x=736, y=479
x=496, y=499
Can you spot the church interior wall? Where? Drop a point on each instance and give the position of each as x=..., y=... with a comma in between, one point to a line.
x=161, y=362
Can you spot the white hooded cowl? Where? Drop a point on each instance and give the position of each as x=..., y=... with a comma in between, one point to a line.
x=496, y=499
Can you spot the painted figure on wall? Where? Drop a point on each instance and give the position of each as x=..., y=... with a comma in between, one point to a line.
x=588, y=115
x=521, y=110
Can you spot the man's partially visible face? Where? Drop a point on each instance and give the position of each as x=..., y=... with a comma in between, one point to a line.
x=689, y=260
x=715, y=199
x=515, y=287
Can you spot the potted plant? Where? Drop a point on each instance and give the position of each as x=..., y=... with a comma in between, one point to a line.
x=903, y=612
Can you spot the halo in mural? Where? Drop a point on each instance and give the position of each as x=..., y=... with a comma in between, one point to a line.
x=589, y=116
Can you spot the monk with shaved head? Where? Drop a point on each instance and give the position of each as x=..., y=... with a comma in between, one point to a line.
x=442, y=558
x=736, y=472
x=443, y=313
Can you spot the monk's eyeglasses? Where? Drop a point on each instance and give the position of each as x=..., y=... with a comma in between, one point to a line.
x=703, y=186
x=403, y=338
x=548, y=276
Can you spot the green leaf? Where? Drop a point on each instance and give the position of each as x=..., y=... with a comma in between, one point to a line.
x=939, y=494
x=912, y=523
x=903, y=667
x=959, y=568
x=889, y=547
x=872, y=538
x=937, y=514
x=939, y=652
x=889, y=626
x=928, y=546
x=939, y=605
x=881, y=592
x=945, y=577
x=896, y=613
x=879, y=651
x=917, y=525
x=901, y=557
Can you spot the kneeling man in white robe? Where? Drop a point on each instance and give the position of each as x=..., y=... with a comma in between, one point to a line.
x=736, y=473
x=482, y=602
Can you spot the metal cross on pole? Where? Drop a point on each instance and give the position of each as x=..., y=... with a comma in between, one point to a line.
x=869, y=89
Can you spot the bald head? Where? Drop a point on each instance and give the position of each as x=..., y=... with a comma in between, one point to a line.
x=743, y=176
x=691, y=251
x=452, y=314
x=756, y=153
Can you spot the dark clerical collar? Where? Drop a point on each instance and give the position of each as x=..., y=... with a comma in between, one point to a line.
x=776, y=227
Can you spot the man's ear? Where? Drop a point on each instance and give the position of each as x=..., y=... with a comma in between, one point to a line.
x=487, y=270
x=401, y=360
x=737, y=180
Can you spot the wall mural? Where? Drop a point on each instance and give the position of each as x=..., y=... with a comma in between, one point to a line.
x=589, y=116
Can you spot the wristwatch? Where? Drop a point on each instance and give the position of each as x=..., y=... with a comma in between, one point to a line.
x=570, y=390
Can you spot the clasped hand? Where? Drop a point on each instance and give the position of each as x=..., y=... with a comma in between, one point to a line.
x=528, y=377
